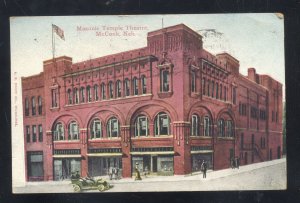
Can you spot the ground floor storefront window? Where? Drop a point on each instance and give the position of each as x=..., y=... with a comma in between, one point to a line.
x=197, y=161
x=101, y=166
x=35, y=170
x=63, y=168
x=154, y=164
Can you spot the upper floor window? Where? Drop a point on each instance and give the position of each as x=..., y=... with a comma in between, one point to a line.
x=195, y=125
x=144, y=84
x=206, y=126
x=54, y=98
x=103, y=92
x=217, y=91
x=96, y=129
x=221, y=128
x=208, y=89
x=118, y=89
x=26, y=107
x=76, y=96
x=96, y=94
x=33, y=105
x=164, y=80
x=135, y=86
x=82, y=95
x=229, y=128
x=34, y=133
x=40, y=133
x=27, y=134
x=193, y=81
x=162, y=124
x=69, y=93
x=127, y=87
x=59, y=132
x=73, y=131
x=212, y=88
x=113, y=127
x=141, y=126
x=111, y=89
x=40, y=108
x=203, y=86
x=89, y=95
x=234, y=95
x=221, y=89
x=225, y=93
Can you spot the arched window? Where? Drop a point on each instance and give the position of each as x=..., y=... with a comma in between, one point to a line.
x=206, y=125
x=103, y=92
x=141, y=126
x=221, y=128
x=59, y=132
x=54, y=95
x=229, y=128
x=113, y=127
x=111, y=89
x=82, y=95
x=193, y=81
x=69, y=97
x=164, y=80
x=76, y=96
x=126, y=87
x=118, y=89
x=73, y=131
x=162, y=124
x=96, y=95
x=40, y=108
x=26, y=107
x=195, y=125
x=144, y=84
x=135, y=86
x=88, y=94
x=96, y=129
x=33, y=106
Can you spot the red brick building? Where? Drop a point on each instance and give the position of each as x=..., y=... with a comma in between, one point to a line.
x=166, y=106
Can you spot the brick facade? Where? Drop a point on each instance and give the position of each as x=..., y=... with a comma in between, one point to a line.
x=166, y=106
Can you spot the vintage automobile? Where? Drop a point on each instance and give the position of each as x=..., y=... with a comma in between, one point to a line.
x=88, y=183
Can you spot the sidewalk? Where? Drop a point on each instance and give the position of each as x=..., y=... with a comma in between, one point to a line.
x=194, y=176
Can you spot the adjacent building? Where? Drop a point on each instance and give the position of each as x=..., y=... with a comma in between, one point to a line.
x=166, y=106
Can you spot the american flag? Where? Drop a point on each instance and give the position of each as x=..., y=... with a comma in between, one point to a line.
x=58, y=31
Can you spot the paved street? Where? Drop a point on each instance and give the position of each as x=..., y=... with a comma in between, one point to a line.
x=261, y=176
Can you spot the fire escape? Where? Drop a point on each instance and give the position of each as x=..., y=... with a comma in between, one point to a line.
x=254, y=149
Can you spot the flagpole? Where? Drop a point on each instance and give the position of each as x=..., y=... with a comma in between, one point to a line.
x=53, y=53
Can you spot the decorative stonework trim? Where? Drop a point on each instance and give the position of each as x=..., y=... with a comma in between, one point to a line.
x=152, y=153
x=104, y=154
x=67, y=156
x=202, y=152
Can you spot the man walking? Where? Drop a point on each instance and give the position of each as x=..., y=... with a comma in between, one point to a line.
x=204, y=168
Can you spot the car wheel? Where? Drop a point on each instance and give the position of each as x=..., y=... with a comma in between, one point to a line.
x=101, y=188
x=76, y=188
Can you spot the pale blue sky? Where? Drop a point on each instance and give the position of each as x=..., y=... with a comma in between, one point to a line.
x=256, y=40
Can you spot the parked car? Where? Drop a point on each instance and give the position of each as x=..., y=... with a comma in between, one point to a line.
x=89, y=183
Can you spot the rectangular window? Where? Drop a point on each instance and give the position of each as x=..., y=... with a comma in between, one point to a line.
x=203, y=86
x=114, y=128
x=89, y=95
x=165, y=87
x=82, y=95
x=217, y=91
x=35, y=169
x=142, y=126
x=54, y=98
x=144, y=85
x=193, y=81
x=221, y=89
x=103, y=92
x=234, y=95
x=225, y=93
x=33, y=133
x=40, y=133
x=76, y=96
x=206, y=126
x=111, y=90
x=40, y=105
x=162, y=125
x=26, y=107
x=195, y=125
x=33, y=106
x=27, y=133
x=208, y=89
x=212, y=88
x=127, y=87
x=96, y=92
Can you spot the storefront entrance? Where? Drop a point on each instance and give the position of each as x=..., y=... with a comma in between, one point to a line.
x=63, y=168
x=99, y=166
x=153, y=164
x=197, y=161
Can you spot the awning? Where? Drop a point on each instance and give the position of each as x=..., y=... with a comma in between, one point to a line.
x=104, y=154
x=202, y=152
x=152, y=153
x=66, y=156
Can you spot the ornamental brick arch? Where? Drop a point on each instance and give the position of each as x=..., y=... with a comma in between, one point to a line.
x=200, y=110
x=65, y=119
x=114, y=112
x=225, y=114
x=142, y=106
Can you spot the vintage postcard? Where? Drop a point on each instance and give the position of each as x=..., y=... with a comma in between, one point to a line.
x=148, y=103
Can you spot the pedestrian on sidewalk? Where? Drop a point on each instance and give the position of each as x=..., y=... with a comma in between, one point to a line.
x=237, y=162
x=232, y=163
x=204, y=168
